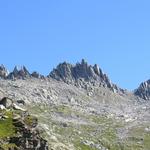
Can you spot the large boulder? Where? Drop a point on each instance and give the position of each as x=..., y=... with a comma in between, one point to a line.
x=6, y=102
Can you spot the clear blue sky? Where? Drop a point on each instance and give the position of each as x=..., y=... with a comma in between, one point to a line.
x=112, y=33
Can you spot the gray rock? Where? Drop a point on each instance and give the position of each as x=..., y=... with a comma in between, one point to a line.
x=6, y=102
x=19, y=73
x=37, y=75
x=3, y=72
x=82, y=74
x=143, y=90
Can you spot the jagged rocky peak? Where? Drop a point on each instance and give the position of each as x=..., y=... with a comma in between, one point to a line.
x=62, y=72
x=37, y=75
x=66, y=71
x=143, y=90
x=82, y=72
x=19, y=73
x=3, y=71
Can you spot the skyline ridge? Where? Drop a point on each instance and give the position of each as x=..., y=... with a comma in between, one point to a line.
x=22, y=67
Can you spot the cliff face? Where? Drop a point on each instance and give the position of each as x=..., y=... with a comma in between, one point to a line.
x=18, y=129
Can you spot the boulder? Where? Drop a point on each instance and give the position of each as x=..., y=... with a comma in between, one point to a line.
x=2, y=107
x=16, y=107
x=6, y=102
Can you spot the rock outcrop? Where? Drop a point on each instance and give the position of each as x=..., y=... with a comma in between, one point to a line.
x=19, y=73
x=18, y=130
x=6, y=102
x=82, y=74
x=3, y=72
x=29, y=136
x=144, y=90
x=37, y=75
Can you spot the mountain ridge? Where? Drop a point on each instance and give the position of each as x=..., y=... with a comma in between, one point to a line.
x=80, y=74
x=82, y=113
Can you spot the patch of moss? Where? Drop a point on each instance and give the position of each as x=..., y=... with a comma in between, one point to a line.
x=7, y=128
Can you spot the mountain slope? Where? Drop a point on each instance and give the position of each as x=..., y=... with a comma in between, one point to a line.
x=77, y=110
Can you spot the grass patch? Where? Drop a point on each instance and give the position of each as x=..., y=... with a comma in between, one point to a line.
x=7, y=128
x=8, y=146
x=138, y=138
x=81, y=146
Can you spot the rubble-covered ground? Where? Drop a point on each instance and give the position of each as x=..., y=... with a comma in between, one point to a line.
x=73, y=118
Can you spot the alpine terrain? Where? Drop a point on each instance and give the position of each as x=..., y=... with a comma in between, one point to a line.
x=75, y=107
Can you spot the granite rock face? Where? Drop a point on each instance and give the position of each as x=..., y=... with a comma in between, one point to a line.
x=144, y=90
x=82, y=75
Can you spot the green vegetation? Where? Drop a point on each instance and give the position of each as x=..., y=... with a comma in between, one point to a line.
x=7, y=128
x=138, y=139
x=8, y=146
x=101, y=130
x=80, y=146
x=62, y=109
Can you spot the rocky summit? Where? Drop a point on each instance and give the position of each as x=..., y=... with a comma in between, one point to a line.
x=19, y=73
x=143, y=90
x=82, y=75
x=75, y=107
